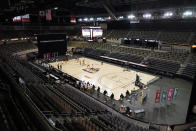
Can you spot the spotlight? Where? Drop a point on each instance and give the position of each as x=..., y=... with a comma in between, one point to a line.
x=147, y=16
x=99, y=19
x=188, y=13
x=108, y=18
x=168, y=14
x=91, y=19
x=131, y=16
x=55, y=8
x=120, y=17
x=85, y=19
x=80, y=19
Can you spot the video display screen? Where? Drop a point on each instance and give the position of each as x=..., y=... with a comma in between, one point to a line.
x=86, y=32
x=92, y=32
x=97, y=32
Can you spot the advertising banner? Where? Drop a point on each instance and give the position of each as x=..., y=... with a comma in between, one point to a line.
x=47, y=56
x=48, y=15
x=26, y=18
x=44, y=56
x=170, y=94
x=175, y=93
x=164, y=95
x=158, y=96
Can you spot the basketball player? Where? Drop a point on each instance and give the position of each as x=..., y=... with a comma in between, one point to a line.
x=60, y=67
x=83, y=61
x=77, y=83
x=85, y=85
x=80, y=62
x=88, y=66
x=82, y=84
x=137, y=78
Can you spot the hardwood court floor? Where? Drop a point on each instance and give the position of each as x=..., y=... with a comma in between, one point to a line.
x=109, y=77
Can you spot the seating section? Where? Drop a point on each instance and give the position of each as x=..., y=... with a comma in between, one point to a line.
x=18, y=47
x=189, y=67
x=95, y=53
x=169, y=37
x=150, y=35
x=126, y=57
x=178, y=57
x=121, y=56
x=117, y=34
x=174, y=37
x=80, y=98
x=192, y=59
x=189, y=71
x=193, y=40
x=153, y=63
x=163, y=62
x=111, y=119
x=163, y=65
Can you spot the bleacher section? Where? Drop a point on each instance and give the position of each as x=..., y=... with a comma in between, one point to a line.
x=150, y=35
x=189, y=71
x=161, y=62
x=178, y=57
x=190, y=66
x=117, y=33
x=126, y=57
x=193, y=39
x=174, y=37
x=18, y=47
x=168, y=37
x=163, y=65
x=192, y=59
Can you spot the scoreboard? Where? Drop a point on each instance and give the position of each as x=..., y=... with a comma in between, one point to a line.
x=92, y=32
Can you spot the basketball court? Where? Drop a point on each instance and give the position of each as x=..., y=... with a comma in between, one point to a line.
x=114, y=79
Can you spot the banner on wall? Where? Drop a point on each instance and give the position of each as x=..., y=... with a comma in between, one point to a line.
x=26, y=18
x=17, y=19
x=175, y=93
x=48, y=55
x=158, y=96
x=164, y=95
x=48, y=15
x=44, y=56
x=72, y=18
x=170, y=94
x=42, y=13
x=52, y=55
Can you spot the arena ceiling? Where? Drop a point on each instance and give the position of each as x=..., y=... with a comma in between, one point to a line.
x=18, y=7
